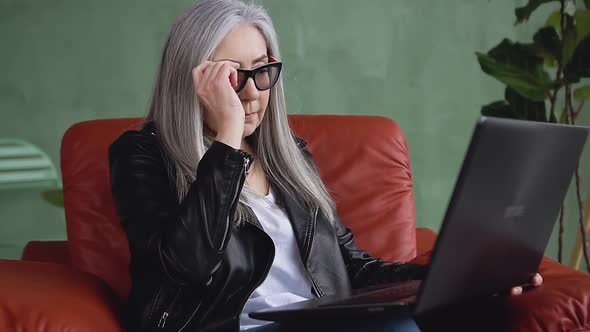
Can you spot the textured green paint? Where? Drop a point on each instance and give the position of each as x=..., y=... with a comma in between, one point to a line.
x=64, y=61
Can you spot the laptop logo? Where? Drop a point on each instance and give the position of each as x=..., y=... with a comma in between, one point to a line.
x=514, y=211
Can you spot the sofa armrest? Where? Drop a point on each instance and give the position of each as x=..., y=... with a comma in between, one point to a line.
x=37, y=296
x=562, y=303
x=47, y=251
x=425, y=239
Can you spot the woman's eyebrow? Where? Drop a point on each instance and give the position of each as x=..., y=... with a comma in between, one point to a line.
x=258, y=59
x=230, y=60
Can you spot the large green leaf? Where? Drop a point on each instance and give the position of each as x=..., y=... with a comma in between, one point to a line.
x=523, y=82
x=547, y=40
x=582, y=93
x=578, y=30
x=523, y=13
x=582, y=18
x=569, y=44
x=499, y=109
x=524, y=108
x=517, y=66
x=516, y=106
x=579, y=66
x=554, y=20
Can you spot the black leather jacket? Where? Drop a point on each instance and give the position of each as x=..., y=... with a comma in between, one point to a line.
x=191, y=269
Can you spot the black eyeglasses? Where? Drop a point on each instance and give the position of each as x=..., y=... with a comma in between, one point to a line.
x=265, y=76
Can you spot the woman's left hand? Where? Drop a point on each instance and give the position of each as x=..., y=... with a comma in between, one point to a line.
x=536, y=281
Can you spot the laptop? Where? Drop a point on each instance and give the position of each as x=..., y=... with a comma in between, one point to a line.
x=498, y=222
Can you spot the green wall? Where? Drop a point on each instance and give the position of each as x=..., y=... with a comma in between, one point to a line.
x=64, y=61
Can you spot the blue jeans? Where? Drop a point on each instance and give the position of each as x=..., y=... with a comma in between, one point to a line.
x=397, y=324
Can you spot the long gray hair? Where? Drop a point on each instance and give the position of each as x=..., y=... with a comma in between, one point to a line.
x=178, y=115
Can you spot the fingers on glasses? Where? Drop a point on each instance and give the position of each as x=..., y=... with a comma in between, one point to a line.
x=210, y=71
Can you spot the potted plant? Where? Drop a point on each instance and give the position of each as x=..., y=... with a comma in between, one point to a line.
x=546, y=79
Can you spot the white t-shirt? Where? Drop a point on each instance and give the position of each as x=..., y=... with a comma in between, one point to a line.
x=287, y=281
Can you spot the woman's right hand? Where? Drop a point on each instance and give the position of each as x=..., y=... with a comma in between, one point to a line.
x=214, y=87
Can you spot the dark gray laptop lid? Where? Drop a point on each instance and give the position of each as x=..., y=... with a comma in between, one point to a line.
x=505, y=203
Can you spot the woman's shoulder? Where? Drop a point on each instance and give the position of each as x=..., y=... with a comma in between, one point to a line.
x=301, y=143
x=136, y=142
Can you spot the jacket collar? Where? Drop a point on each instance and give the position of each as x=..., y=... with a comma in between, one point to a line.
x=301, y=219
x=300, y=216
x=300, y=142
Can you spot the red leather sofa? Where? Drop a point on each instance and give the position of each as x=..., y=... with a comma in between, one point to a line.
x=80, y=284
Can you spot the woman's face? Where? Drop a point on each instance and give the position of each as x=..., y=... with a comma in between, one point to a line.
x=246, y=46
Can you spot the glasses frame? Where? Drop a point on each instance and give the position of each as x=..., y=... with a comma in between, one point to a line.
x=251, y=73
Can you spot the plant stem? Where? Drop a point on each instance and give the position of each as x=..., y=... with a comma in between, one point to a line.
x=581, y=220
x=553, y=99
x=553, y=96
x=560, y=238
x=569, y=107
x=562, y=17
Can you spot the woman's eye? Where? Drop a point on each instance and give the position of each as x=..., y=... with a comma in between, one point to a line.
x=263, y=71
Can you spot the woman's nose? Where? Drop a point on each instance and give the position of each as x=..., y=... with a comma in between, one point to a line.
x=249, y=92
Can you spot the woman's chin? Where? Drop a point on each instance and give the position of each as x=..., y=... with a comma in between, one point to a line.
x=248, y=130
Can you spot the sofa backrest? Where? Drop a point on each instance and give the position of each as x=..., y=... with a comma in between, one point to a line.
x=363, y=161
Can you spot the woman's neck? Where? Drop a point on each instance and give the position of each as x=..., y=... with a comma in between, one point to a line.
x=246, y=147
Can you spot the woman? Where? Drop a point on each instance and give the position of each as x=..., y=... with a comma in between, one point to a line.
x=219, y=200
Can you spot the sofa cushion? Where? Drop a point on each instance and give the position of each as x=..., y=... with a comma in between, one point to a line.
x=363, y=161
x=37, y=296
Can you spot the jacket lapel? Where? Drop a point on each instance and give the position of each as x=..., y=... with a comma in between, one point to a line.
x=299, y=217
x=298, y=214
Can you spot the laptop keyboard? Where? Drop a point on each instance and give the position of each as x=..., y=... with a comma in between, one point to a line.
x=399, y=292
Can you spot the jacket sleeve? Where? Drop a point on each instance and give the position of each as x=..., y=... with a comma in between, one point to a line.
x=186, y=239
x=363, y=269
